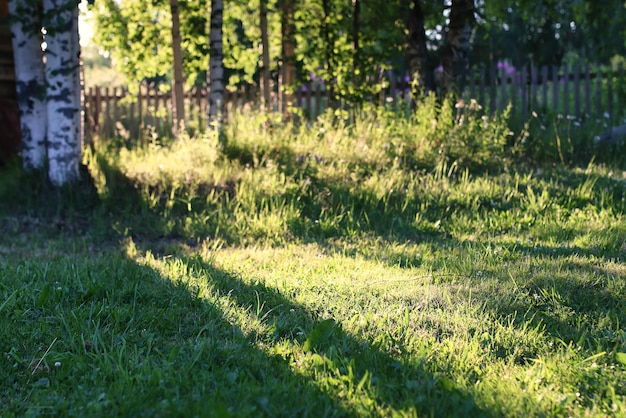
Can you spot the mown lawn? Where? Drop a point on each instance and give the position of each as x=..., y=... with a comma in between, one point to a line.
x=324, y=271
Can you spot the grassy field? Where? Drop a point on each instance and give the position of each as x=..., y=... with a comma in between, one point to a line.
x=385, y=268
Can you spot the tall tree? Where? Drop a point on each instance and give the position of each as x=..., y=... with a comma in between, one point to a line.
x=455, y=56
x=288, y=55
x=329, y=49
x=356, y=29
x=265, y=60
x=63, y=93
x=416, y=55
x=29, y=80
x=216, y=65
x=178, y=84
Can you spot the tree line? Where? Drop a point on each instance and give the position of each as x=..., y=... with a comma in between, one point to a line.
x=277, y=44
x=348, y=44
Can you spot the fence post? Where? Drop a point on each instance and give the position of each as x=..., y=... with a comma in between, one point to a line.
x=492, y=88
x=598, y=82
x=577, y=90
x=533, y=87
x=544, y=86
x=609, y=93
x=587, y=90
x=526, y=91
x=555, y=88
x=566, y=90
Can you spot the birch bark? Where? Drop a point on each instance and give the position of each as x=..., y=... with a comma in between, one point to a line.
x=216, y=65
x=30, y=81
x=63, y=91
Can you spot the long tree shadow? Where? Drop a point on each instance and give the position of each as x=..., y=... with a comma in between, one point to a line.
x=203, y=364
x=230, y=371
x=237, y=360
x=401, y=382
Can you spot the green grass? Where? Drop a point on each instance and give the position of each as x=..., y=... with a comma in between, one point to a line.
x=390, y=267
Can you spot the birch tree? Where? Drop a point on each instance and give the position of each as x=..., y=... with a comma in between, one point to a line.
x=288, y=55
x=30, y=81
x=265, y=55
x=63, y=90
x=216, y=65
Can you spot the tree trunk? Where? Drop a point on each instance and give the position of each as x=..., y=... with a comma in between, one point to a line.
x=30, y=82
x=178, y=86
x=216, y=66
x=288, y=58
x=329, y=51
x=416, y=54
x=455, y=58
x=265, y=70
x=63, y=92
x=356, y=29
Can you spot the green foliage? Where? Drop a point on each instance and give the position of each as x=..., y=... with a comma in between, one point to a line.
x=138, y=35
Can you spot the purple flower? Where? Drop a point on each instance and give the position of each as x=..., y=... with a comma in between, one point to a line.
x=506, y=68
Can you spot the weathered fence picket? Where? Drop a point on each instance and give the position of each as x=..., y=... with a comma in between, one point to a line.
x=579, y=91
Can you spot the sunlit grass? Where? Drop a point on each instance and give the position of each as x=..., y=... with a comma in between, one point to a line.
x=321, y=270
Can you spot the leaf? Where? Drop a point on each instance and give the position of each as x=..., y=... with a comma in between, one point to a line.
x=621, y=358
x=7, y=300
x=321, y=333
x=43, y=296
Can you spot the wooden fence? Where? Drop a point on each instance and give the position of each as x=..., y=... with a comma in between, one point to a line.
x=578, y=91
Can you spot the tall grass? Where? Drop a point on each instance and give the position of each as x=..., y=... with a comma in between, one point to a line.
x=385, y=267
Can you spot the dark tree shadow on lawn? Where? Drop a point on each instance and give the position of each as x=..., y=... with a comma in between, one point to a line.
x=401, y=382
x=236, y=361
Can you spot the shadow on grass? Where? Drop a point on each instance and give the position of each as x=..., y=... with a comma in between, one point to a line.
x=399, y=382
x=344, y=363
x=236, y=362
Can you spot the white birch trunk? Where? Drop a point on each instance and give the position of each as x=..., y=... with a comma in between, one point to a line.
x=265, y=56
x=30, y=81
x=63, y=93
x=216, y=65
